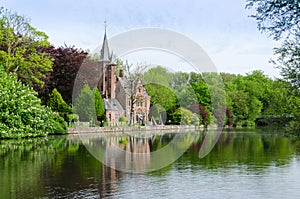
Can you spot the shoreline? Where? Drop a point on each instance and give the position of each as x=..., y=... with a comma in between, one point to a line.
x=143, y=131
x=130, y=129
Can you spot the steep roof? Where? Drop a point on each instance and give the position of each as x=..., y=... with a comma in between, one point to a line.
x=124, y=85
x=104, y=53
x=112, y=105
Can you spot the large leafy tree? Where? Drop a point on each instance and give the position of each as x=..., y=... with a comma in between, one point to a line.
x=163, y=96
x=84, y=105
x=20, y=45
x=239, y=106
x=289, y=61
x=21, y=112
x=246, y=98
x=157, y=75
x=185, y=93
x=67, y=62
x=278, y=100
x=281, y=20
x=202, y=93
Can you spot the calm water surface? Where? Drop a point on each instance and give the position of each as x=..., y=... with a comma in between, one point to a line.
x=240, y=165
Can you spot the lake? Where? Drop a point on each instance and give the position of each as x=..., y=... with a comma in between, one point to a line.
x=203, y=165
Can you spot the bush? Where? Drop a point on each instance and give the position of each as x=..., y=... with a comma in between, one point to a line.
x=184, y=116
x=57, y=103
x=58, y=125
x=21, y=112
x=123, y=119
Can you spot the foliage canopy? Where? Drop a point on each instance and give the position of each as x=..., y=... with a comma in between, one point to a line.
x=21, y=112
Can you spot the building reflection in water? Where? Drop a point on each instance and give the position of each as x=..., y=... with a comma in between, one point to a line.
x=137, y=153
x=140, y=147
x=141, y=153
x=131, y=155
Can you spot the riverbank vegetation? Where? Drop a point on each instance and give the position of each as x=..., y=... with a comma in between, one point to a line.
x=280, y=20
x=37, y=81
x=252, y=100
x=23, y=65
x=22, y=114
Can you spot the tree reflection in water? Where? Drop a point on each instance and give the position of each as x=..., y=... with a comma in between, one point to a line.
x=137, y=153
x=61, y=166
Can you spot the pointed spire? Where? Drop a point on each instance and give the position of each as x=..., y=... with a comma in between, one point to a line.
x=104, y=53
x=105, y=25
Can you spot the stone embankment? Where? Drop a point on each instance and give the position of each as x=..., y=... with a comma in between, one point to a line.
x=128, y=129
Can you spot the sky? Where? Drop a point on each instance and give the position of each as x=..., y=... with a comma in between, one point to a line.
x=222, y=28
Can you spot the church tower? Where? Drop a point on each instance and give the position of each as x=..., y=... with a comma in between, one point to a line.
x=108, y=71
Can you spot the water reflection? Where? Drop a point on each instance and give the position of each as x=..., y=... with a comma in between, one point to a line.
x=61, y=166
x=137, y=153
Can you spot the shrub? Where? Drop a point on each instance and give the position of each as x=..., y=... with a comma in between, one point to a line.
x=21, y=112
x=57, y=103
x=123, y=119
x=184, y=116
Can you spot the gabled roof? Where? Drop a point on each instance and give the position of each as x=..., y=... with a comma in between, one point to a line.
x=104, y=53
x=112, y=105
x=124, y=85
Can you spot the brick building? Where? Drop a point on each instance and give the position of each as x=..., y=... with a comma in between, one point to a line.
x=116, y=95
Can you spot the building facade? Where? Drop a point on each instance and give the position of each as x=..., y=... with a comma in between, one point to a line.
x=119, y=100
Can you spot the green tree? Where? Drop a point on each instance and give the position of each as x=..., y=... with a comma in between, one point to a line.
x=84, y=105
x=276, y=101
x=57, y=103
x=163, y=96
x=280, y=19
x=184, y=116
x=252, y=92
x=186, y=96
x=20, y=48
x=239, y=106
x=255, y=107
x=157, y=75
x=184, y=91
x=163, y=99
x=99, y=104
x=288, y=60
x=202, y=93
x=257, y=84
x=21, y=112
